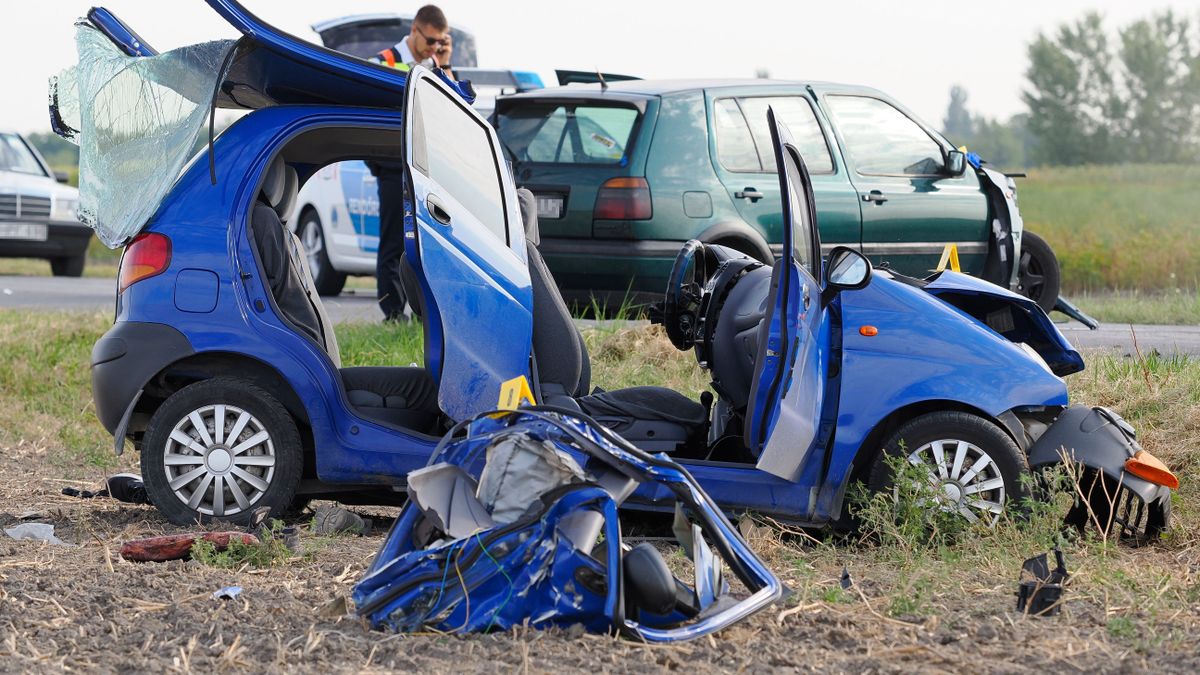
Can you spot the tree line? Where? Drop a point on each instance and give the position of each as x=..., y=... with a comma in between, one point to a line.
x=1094, y=97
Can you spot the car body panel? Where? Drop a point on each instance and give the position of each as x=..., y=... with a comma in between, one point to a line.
x=790, y=371
x=925, y=352
x=926, y=213
x=922, y=212
x=838, y=212
x=478, y=297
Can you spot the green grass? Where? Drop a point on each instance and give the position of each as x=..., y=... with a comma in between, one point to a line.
x=1176, y=307
x=105, y=268
x=909, y=564
x=1118, y=227
x=271, y=550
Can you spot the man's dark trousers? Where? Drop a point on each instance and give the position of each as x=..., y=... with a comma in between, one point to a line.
x=391, y=244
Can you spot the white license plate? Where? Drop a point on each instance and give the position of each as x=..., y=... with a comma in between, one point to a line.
x=30, y=231
x=550, y=207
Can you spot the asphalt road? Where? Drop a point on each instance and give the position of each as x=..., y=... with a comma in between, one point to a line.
x=97, y=295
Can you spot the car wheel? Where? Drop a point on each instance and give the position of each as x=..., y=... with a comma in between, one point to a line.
x=68, y=266
x=1038, y=275
x=327, y=280
x=978, y=469
x=219, y=449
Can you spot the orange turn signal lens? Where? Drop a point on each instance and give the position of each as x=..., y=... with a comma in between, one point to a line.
x=1148, y=467
x=868, y=331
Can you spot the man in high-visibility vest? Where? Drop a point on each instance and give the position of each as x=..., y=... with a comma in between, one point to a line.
x=428, y=43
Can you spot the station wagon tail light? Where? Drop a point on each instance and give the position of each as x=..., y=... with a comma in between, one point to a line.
x=623, y=198
x=1148, y=467
x=147, y=255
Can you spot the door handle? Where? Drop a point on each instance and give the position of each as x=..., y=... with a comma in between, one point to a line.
x=437, y=210
x=749, y=193
x=874, y=196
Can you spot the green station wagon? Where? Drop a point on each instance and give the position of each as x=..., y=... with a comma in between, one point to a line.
x=627, y=172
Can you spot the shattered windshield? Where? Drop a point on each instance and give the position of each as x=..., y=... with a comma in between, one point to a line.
x=136, y=121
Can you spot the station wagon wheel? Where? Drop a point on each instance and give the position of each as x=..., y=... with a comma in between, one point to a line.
x=219, y=449
x=1038, y=275
x=974, y=467
x=326, y=279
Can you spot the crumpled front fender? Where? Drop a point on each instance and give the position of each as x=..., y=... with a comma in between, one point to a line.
x=1100, y=441
x=1016, y=317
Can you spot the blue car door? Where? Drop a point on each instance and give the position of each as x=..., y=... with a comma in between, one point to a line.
x=466, y=243
x=792, y=358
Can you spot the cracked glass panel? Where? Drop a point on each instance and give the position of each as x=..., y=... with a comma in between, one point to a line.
x=136, y=120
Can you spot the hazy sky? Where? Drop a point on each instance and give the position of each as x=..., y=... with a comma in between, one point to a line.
x=914, y=51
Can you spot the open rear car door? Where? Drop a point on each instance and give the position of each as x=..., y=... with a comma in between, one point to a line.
x=466, y=244
x=792, y=358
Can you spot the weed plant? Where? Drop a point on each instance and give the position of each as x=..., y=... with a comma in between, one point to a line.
x=268, y=552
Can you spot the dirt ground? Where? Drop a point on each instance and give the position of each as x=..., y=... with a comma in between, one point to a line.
x=84, y=608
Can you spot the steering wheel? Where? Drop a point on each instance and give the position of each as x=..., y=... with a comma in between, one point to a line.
x=685, y=291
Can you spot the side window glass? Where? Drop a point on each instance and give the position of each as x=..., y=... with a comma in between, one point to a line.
x=881, y=140
x=735, y=145
x=802, y=229
x=457, y=153
x=798, y=115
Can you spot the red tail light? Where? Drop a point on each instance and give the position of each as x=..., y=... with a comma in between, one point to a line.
x=147, y=255
x=623, y=199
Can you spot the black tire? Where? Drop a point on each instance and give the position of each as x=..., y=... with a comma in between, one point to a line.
x=68, y=266
x=1007, y=459
x=1038, y=276
x=267, y=414
x=326, y=279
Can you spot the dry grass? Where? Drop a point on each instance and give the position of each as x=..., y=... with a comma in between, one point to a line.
x=918, y=606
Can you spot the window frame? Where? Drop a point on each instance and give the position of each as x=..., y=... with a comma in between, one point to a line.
x=421, y=149
x=814, y=231
x=749, y=132
x=762, y=170
x=851, y=160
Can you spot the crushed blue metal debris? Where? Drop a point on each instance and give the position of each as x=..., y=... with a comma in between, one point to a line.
x=514, y=521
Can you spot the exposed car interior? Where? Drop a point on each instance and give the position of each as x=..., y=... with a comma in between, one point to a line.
x=727, y=314
x=401, y=396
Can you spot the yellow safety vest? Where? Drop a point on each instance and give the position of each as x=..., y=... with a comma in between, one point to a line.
x=390, y=57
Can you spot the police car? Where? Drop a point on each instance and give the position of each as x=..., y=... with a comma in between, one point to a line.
x=337, y=214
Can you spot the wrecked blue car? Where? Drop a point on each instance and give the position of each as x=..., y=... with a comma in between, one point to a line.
x=223, y=371
x=516, y=524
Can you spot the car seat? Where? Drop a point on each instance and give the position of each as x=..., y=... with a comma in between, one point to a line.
x=653, y=418
x=405, y=397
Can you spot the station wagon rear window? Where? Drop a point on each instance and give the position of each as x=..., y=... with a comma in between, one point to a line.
x=564, y=133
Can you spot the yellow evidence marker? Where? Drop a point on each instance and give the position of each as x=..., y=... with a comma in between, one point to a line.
x=513, y=392
x=949, y=256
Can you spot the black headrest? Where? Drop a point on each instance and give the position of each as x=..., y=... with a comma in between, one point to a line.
x=274, y=182
x=287, y=202
x=528, y=204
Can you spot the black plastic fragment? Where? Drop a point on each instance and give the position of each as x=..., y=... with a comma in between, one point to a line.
x=1041, y=588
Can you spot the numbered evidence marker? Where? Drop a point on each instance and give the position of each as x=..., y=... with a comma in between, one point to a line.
x=513, y=392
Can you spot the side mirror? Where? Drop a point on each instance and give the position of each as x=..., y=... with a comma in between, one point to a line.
x=846, y=270
x=62, y=177
x=956, y=162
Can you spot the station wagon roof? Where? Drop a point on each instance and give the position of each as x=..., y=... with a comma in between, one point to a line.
x=642, y=88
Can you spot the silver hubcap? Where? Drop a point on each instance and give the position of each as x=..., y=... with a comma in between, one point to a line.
x=967, y=479
x=219, y=460
x=314, y=243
